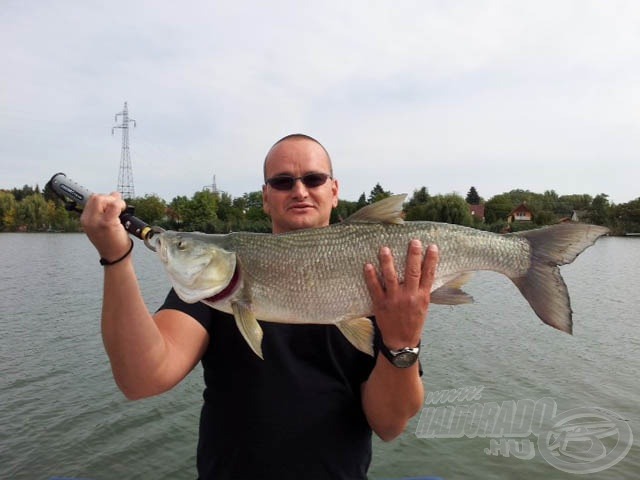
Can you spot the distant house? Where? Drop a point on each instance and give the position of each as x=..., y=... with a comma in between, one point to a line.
x=477, y=211
x=520, y=214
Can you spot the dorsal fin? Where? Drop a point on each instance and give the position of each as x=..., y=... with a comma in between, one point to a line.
x=387, y=210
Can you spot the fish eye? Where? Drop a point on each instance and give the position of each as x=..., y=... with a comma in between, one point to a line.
x=181, y=245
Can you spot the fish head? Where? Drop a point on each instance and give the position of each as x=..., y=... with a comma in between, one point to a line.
x=197, y=265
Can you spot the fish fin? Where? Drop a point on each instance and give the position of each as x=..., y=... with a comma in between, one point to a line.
x=451, y=293
x=387, y=210
x=359, y=332
x=248, y=326
x=542, y=285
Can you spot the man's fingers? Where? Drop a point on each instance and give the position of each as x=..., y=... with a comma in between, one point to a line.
x=388, y=270
x=115, y=206
x=413, y=264
x=429, y=267
x=373, y=282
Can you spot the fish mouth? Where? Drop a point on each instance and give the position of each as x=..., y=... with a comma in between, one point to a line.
x=226, y=291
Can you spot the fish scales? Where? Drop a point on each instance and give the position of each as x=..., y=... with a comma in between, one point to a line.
x=324, y=266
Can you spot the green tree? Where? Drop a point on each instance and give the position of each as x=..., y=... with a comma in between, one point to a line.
x=417, y=205
x=32, y=212
x=550, y=200
x=378, y=193
x=8, y=207
x=200, y=212
x=150, y=208
x=497, y=208
x=627, y=217
x=256, y=219
x=450, y=208
x=472, y=197
x=176, y=212
x=344, y=209
x=419, y=197
x=577, y=202
x=544, y=217
x=60, y=218
x=230, y=213
x=600, y=210
x=21, y=193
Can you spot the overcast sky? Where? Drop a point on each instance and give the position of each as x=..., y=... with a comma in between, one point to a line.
x=499, y=95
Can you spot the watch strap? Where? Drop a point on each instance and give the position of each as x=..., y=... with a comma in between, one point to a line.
x=387, y=352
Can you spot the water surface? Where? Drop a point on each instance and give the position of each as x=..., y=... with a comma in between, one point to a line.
x=61, y=414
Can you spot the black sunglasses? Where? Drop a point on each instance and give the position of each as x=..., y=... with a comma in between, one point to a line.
x=286, y=182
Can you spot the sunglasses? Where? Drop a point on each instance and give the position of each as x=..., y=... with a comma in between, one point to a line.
x=286, y=182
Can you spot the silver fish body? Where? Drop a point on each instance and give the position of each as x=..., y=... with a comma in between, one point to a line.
x=316, y=275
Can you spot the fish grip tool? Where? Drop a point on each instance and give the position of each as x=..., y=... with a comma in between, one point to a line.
x=76, y=196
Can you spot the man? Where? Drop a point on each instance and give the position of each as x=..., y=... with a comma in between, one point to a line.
x=308, y=409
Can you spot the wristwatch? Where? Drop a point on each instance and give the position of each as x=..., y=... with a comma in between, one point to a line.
x=402, y=358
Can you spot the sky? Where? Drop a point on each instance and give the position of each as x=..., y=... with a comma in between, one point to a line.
x=498, y=95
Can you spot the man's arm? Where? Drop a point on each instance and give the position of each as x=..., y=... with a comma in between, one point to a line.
x=391, y=395
x=148, y=354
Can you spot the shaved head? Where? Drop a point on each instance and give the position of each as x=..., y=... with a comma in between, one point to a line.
x=295, y=137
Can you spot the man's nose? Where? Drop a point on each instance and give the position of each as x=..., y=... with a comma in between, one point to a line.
x=299, y=189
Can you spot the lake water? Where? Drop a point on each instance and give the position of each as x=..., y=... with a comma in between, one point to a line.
x=61, y=414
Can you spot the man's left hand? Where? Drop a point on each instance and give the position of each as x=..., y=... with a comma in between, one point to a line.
x=400, y=307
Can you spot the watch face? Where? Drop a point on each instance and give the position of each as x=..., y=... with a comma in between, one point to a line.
x=405, y=359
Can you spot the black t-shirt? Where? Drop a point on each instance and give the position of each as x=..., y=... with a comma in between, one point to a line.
x=295, y=414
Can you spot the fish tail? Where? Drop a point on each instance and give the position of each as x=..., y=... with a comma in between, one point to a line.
x=542, y=285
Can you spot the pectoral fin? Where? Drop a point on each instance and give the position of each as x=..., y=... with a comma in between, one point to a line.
x=248, y=326
x=359, y=332
x=451, y=293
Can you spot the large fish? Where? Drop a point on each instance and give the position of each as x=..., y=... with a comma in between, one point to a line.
x=316, y=275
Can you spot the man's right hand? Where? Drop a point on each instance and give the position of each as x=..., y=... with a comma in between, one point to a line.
x=101, y=222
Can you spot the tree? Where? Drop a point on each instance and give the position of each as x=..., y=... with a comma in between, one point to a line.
x=577, y=202
x=378, y=193
x=343, y=211
x=497, y=208
x=21, y=193
x=32, y=213
x=256, y=220
x=419, y=197
x=600, y=210
x=416, y=207
x=150, y=208
x=450, y=208
x=8, y=207
x=177, y=210
x=627, y=216
x=229, y=213
x=57, y=215
x=472, y=197
x=200, y=212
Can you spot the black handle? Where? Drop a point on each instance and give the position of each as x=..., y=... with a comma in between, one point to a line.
x=77, y=197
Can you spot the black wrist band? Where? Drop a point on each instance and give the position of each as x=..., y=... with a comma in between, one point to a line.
x=106, y=263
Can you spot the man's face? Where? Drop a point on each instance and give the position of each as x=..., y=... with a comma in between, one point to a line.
x=302, y=206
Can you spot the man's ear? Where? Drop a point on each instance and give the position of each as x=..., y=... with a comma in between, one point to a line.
x=336, y=189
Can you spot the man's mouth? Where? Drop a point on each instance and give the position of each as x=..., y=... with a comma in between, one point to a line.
x=300, y=206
